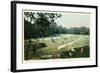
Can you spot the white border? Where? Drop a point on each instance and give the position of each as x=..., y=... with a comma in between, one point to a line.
x=54, y=63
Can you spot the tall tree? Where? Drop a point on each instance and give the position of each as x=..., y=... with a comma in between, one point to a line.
x=40, y=23
x=36, y=24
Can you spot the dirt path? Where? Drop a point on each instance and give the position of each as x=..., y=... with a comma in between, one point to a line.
x=62, y=46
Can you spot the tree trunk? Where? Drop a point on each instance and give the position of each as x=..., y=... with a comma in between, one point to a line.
x=28, y=49
x=26, y=54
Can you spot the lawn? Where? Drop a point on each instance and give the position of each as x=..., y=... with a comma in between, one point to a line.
x=75, y=46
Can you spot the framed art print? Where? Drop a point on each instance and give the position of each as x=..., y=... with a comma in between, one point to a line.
x=47, y=36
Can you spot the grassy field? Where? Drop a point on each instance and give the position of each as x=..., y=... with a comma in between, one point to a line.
x=71, y=46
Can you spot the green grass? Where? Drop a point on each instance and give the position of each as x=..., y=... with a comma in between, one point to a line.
x=52, y=46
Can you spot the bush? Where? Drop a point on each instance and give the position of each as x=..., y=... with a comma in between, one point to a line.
x=85, y=53
x=76, y=54
x=30, y=51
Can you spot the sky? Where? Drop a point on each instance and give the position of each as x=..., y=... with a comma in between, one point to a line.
x=70, y=20
x=73, y=19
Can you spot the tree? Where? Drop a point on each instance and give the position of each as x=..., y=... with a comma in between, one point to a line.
x=84, y=30
x=36, y=24
x=40, y=23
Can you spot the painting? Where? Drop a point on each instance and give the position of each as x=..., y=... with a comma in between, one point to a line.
x=54, y=35
x=44, y=34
